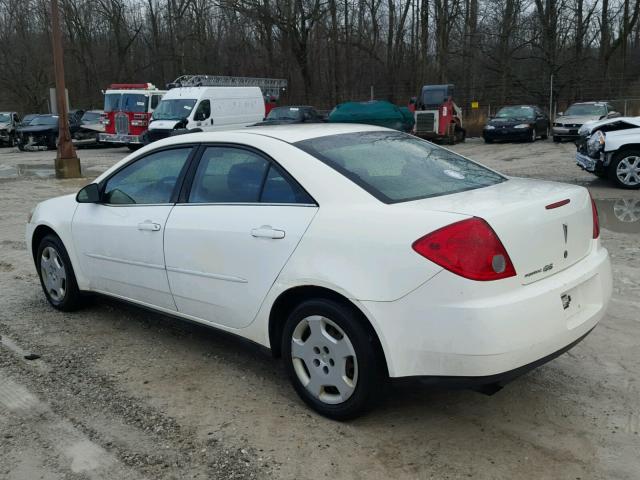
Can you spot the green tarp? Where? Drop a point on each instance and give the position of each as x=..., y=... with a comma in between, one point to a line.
x=376, y=112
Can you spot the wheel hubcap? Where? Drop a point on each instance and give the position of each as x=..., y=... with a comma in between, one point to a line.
x=324, y=359
x=54, y=275
x=628, y=170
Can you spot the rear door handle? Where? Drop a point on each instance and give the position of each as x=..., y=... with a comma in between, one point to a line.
x=149, y=226
x=266, y=231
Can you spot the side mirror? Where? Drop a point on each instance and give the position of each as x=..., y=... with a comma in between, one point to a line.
x=89, y=194
x=612, y=115
x=559, y=114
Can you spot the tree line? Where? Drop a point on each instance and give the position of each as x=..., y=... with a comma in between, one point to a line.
x=494, y=51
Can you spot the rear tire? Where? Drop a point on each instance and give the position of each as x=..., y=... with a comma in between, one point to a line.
x=556, y=139
x=133, y=147
x=488, y=140
x=57, y=277
x=546, y=134
x=332, y=359
x=624, y=169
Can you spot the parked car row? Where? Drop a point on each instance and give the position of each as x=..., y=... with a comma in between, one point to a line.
x=37, y=131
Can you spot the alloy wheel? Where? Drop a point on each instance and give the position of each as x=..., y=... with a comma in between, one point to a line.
x=324, y=359
x=628, y=171
x=54, y=274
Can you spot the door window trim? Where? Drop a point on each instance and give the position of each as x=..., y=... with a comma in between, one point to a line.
x=185, y=191
x=195, y=148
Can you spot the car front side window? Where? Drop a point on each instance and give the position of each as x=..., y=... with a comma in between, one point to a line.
x=150, y=180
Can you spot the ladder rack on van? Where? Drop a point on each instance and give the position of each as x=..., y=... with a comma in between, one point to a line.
x=269, y=86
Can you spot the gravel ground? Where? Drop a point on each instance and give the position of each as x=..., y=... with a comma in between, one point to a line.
x=122, y=393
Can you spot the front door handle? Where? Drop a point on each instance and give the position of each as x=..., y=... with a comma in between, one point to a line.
x=149, y=226
x=266, y=231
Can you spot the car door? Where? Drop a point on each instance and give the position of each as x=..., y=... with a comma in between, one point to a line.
x=232, y=233
x=120, y=240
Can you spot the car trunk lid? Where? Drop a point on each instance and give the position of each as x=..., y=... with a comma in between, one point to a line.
x=545, y=226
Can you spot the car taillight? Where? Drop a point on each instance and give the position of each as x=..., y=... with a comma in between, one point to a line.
x=469, y=248
x=596, y=221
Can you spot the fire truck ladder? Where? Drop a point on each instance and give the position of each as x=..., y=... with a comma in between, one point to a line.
x=269, y=86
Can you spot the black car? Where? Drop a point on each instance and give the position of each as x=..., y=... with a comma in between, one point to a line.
x=292, y=114
x=517, y=122
x=42, y=131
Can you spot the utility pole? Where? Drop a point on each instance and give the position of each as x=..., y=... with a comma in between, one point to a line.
x=67, y=162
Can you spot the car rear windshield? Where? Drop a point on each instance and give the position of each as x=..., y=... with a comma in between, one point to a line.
x=396, y=167
x=285, y=113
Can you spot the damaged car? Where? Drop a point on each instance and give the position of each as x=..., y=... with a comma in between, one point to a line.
x=9, y=121
x=611, y=149
x=90, y=129
x=42, y=132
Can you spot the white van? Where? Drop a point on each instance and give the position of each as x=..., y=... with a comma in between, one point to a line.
x=185, y=109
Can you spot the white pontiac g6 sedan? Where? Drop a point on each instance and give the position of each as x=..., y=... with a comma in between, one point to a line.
x=354, y=252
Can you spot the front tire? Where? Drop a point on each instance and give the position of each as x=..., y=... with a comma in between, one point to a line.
x=331, y=359
x=533, y=136
x=56, y=274
x=624, y=169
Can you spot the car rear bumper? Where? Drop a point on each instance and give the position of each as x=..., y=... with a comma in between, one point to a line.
x=118, y=138
x=444, y=328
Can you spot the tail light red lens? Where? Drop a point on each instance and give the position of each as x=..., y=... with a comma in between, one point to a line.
x=469, y=248
x=596, y=220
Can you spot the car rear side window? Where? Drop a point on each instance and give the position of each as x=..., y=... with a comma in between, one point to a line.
x=236, y=175
x=396, y=167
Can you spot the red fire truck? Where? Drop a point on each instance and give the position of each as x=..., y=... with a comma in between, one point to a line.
x=127, y=112
x=437, y=115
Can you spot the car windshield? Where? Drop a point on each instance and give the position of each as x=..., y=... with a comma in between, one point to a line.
x=174, y=109
x=5, y=117
x=126, y=102
x=45, y=120
x=396, y=167
x=286, y=113
x=91, y=117
x=580, y=109
x=515, y=112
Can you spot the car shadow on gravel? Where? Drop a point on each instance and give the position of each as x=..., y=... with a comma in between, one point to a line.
x=235, y=353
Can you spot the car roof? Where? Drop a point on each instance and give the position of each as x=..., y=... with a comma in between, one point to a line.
x=299, y=132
